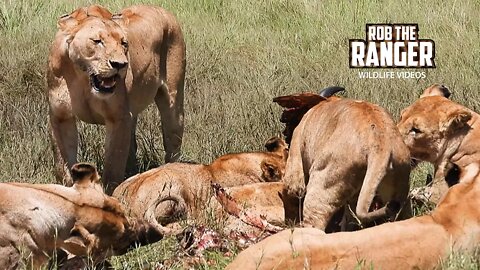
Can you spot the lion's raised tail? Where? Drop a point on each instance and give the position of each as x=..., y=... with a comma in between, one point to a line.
x=376, y=171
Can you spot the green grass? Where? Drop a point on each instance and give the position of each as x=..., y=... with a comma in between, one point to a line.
x=240, y=54
x=467, y=261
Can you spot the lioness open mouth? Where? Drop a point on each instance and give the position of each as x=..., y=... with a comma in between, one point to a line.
x=103, y=84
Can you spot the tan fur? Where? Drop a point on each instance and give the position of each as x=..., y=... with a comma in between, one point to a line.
x=132, y=50
x=416, y=243
x=343, y=148
x=439, y=131
x=39, y=219
x=164, y=194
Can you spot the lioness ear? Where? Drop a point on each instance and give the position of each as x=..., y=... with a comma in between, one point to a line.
x=456, y=120
x=68, y=22
x=75, y=245
x=80, y=241
x=270, y=172
x=84, y=174
x=272, y=144
x=436, y=90
x=275, y=144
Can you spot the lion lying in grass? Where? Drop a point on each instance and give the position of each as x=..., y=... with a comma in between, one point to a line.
x=440, y=131
x=341, y=150
x=165, y=194
x=36, y=220
x=417, y=243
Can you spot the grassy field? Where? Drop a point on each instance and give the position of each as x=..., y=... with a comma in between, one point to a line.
x=240, y=54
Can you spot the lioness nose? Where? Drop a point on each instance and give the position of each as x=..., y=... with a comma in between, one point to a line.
x=118, y=65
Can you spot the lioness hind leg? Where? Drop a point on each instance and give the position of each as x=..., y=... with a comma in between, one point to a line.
x=402, y=190
x=394, y=189
x=170, y=97
x=322, y=200
x=172, y=123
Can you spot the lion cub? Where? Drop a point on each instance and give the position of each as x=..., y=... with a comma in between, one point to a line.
x=165, y=194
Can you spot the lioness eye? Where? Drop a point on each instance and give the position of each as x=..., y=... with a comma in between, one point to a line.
x=97, y=41
x=124, y=43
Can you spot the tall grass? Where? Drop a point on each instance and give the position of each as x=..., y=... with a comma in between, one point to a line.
x=240, y=54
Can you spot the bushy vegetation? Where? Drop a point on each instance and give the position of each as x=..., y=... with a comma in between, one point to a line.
x=240, y=54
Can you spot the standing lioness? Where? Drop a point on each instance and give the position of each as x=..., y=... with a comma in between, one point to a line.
x=343, y=149
x=105, y=69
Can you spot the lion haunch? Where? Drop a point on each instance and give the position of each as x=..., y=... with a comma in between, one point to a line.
x=343, y=149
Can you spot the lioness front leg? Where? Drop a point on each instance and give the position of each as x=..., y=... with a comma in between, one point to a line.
x=64, y=136
x=63, y=132
x=117, y=146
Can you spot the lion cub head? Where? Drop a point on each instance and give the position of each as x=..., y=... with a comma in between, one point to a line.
x=85, y=174
x=102, y=227
x=97, y=46
x=433, y=124
x=273, y=169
